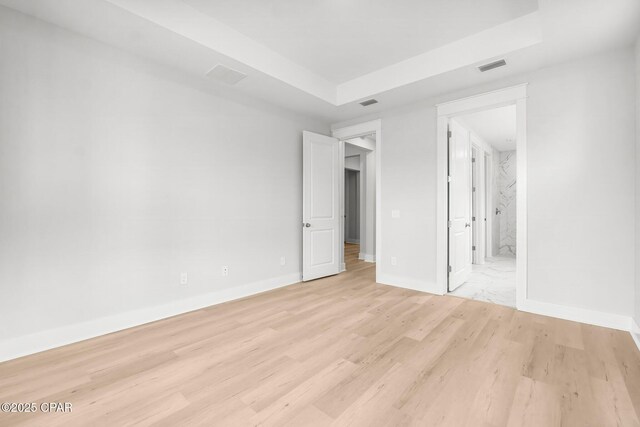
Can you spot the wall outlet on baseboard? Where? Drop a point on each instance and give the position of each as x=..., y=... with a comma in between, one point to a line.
x=225, y=271
x=394, y=261
x=283, y=260
x=184, y=278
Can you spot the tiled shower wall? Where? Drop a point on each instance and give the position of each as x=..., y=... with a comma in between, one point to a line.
x=507, y=202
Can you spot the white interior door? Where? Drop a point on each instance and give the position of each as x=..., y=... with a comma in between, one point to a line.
x=475, y=211
x=459, y=205
x=320, y=206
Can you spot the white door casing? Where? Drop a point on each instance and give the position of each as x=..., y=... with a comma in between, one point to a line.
x=459, y=205
x=320, y=206
x=478, y=219
x=514, y=95
x=361, y=129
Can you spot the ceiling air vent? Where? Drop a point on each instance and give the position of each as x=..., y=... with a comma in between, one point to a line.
x=492, y=65
x=368, y=102
x=225, y=74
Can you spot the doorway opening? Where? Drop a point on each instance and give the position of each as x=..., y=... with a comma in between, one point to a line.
x=364, y=140
x=455, y=201
x=359, y=233
x=482, y=205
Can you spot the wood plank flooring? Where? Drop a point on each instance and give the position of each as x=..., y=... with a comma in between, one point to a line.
x=335, y=352
x=351, y=253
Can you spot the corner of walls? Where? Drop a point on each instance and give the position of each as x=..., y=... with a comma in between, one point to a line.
x=366, y=257
x=409, y=283
x=635, y=332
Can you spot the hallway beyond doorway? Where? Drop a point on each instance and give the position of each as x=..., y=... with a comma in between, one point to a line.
x=351, y=257
x=494, y=281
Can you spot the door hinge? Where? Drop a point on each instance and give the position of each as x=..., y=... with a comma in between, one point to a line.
x=449, y=269
x=473, y=248
x=473, y=160
x=449, y=224
x=473, y=218
x=474, y=189
x=448, y=134
x=448, y=178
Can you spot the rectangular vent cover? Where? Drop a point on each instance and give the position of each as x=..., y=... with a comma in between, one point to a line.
x=368, y=102
x=225, y=74
x=492, y=65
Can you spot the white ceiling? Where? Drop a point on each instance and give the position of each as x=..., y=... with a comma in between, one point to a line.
x=497, y=126
x=189, y=42
x=341, y=40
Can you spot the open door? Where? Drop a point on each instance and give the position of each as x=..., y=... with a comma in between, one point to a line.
x=320, y=206
x=459, y=205
x=475, y=206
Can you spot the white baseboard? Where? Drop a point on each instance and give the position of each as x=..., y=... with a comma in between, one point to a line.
x=408, y=283
x=591, y=317
x=45, y=340
x=41, y=341
x=366, y=257
x=635, y=332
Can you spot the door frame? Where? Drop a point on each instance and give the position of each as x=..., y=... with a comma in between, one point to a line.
x=354, y=131
x=514, y=95
x=362, y=167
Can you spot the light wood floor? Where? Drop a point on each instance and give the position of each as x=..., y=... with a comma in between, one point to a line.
x=351, y=253
x=338, y=351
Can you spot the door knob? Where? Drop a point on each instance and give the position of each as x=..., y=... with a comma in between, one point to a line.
x=467, y=225
x=306, y=224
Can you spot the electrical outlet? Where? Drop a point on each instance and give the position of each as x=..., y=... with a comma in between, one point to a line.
x=283, y=260
x=394, y=261
x=225, y=271
x=184, y=278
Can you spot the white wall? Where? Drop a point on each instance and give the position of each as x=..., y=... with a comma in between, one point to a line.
x=116, y=176
x=581, y=132
x=580, y=183
x=637, y=282
x=369, y=252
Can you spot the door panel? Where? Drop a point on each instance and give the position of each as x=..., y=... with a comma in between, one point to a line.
x=320, y=206
x=459, y=205
x=322, y=252
x=475, y=212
